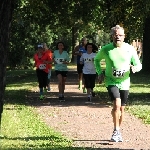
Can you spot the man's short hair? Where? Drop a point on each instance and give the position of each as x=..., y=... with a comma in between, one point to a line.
x=113, y=29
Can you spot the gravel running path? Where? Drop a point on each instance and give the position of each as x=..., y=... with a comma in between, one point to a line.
x=88, y=124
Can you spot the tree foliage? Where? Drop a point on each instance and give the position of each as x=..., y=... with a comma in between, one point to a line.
x=36, y=21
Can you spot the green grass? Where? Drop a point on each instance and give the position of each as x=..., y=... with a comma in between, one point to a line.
x=22, y=128
x=139, y=99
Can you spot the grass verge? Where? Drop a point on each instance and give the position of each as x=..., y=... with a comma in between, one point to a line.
x=22, y=129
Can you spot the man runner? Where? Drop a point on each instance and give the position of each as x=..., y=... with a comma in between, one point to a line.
x=118, y=56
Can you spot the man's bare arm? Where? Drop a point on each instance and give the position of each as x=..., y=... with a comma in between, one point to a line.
x=76, y=50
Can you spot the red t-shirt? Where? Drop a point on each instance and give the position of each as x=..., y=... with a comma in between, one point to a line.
x=49, y=52
x=39, y=62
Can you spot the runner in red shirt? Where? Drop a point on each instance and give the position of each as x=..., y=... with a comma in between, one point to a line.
x=42, y=61
x=49, y=52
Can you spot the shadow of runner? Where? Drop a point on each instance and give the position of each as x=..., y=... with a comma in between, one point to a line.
x=71, y=99
x=73, y=96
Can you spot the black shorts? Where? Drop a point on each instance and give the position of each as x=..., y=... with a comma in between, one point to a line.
x=89, y=80
x=79, y=68
x=115, y=92
x=42, y=78
x=63, y=73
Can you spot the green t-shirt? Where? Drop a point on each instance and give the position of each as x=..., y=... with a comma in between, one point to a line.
x=118, y=61
x=59, y=58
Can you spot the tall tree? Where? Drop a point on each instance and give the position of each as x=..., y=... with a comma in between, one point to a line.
x=6, y=10
x=146, y=46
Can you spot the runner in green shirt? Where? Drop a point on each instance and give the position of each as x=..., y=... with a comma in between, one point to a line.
x=61, y=60
x=118, y=56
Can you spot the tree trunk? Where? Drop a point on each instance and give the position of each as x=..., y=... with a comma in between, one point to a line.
x=6, y=9
x=74, y=40
x=146, y=46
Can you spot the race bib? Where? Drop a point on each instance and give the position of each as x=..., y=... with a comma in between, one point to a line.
x=88, y=59
x=42, y=66
x=118, y=73
x=59, y=60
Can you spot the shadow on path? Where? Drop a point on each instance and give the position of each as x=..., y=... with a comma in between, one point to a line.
x=73, y=96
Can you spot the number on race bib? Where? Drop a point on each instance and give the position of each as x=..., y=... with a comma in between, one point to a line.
x=88, y=59
x=59, y=60
x=118, y=73
x=42, y=66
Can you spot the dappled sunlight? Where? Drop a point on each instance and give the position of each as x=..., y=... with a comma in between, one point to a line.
x=140, y=90
x=24, y=84
x=140, y=85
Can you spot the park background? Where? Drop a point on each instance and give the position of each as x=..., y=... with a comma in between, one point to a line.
x=26, y=23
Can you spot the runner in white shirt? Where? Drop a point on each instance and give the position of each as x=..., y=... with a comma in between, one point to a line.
x=89, y=72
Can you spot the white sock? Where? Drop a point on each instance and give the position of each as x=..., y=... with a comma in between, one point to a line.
x=117, y=128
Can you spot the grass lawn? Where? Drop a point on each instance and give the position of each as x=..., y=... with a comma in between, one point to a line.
x=22, y=129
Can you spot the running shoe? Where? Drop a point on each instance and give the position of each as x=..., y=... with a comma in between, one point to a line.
x=41, y=97
x=48, y=89
x=62, y=99
x=93, y=94
x=120, y=138
x=84, y=90
x=89, y=99
x=116, y=136
x=59, y=98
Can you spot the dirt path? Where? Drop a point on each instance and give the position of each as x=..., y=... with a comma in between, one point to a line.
x=88, y=124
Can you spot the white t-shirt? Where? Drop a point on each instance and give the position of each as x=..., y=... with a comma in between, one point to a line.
x=88, y=61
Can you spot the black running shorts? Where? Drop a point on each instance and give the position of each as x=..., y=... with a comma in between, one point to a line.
x=63, y=73
x=79, y=68
x=115, y=92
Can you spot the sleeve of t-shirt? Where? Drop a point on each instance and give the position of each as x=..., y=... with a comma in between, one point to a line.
x=49, y=58
x=81, y=58
x=135, y=60
x=53, y=55
x=81, y=51
x=50, y=54
x=99, y=56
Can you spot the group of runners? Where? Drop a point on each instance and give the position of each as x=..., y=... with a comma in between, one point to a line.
x=44, y=58
x=120, y=59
